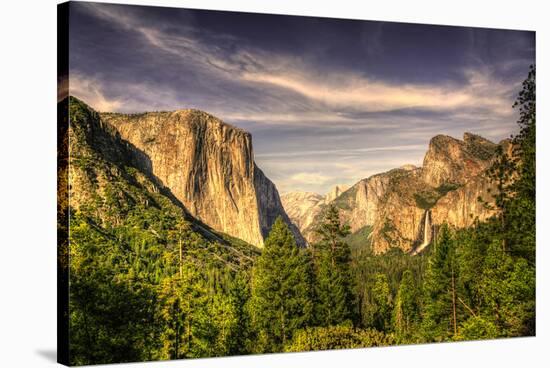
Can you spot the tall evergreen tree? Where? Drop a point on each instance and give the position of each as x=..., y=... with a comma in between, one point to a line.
x=521, y=208
x=333, y=288
x=507, y=286
x=281, y=290
x=406, y=311
x=440, y=308
x=515, y=172
x=239, y=292
x=184, y=309
x=381, y=297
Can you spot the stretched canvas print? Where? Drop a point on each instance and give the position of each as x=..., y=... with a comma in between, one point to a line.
x=235, y=183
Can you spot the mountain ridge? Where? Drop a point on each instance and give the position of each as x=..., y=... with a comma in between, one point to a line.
x=450, y=187
x=100, y=157
x=209, y=167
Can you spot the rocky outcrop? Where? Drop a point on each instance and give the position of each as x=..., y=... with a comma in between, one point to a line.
x=335, y=192
x=398, y=222
x=461, y=207
x=357, y=205
x=452, y=161
x=105, y=182
x=209, y=167
x=360, y=204
x=270, y=206
x=305, y=209
x=451, y=187
x=302, y=207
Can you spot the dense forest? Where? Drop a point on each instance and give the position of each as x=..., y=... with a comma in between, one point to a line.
x=145, y=284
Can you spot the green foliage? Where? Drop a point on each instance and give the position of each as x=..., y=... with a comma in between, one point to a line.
x=446, y=188
x=359, y=239
x=133, y=298
x=507, y=289
x=477, y=328
x=333, y=288
x=440, y=290
x=144, y=284
x=99, y=307
x=337, y=337
x=281, y=290
x=406, y=313
x=426, y=199
x=493, y=294
x=387, y=229
x=197, y=321
x=343, y=200
x=381, y=306
x=515, y=173
x=481, y=150
x=147, y=283
x=367, y=268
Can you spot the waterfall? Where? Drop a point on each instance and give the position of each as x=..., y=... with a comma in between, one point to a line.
x=427, y=228
x=427, y=233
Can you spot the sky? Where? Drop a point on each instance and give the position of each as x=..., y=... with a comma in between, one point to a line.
x=327, y=101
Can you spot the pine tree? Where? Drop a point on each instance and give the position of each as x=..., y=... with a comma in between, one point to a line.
x=515, y=174
x=507, y=283
x=406, y=306
x=184, y=310
x=381, y=297
x=333, y=289
x=520, y=210
x=331, y=233
x=281, y=290
x=440, y=310
x=239, y=292
x=507, y=286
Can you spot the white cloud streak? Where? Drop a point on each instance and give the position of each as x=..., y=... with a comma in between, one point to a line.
x=341, y=151
x=295, y=92
x=349, y=90
x=336, y=90
x=91, y=91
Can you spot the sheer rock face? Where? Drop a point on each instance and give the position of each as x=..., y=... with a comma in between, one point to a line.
x=105, y=176
x=208, y=165
x=397, y=221
x=461, y=207
x=452, y=186
x=472, y=157
x=360, y=204
x=270, y=206
x=450, y=160
x=357, y=205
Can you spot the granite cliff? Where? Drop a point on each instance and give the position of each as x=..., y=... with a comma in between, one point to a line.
x=404, y=206
x=208, y=166
x=104, y=181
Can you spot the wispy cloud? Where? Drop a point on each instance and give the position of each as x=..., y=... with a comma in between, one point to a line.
x=315, y=122
x=349, y=90
x=91, y=91
x=309, y=178
x=330, y=90
x=340, y=151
